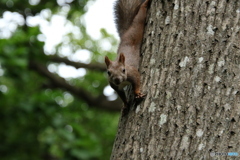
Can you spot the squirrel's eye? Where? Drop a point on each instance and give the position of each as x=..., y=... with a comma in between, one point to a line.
x=123, y=70
x=109, y=73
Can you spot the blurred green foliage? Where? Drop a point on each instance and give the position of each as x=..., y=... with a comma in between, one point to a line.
x=39, y=121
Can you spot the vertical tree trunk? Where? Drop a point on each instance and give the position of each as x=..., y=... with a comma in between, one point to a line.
x=191, y=70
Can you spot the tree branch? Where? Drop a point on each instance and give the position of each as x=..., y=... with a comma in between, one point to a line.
x=98, y=102
x=97, y=66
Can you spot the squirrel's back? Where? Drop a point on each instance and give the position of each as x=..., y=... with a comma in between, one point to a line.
x=125, y=11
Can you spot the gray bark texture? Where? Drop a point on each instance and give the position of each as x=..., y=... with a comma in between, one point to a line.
x=190, y=68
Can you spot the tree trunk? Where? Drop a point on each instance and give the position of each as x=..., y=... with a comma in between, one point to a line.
x=191, y=70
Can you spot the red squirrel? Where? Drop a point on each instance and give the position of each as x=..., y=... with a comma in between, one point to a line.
x=130, y=21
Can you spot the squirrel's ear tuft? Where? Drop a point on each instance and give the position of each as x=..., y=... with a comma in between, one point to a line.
x=121, y=58
x=107, y=61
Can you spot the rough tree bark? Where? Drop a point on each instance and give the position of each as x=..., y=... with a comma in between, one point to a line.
x=191, y=69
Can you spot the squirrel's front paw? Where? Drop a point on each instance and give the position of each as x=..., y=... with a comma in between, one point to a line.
x=140, y=95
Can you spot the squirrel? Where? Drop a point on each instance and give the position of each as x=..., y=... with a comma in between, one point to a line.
x=130, y=22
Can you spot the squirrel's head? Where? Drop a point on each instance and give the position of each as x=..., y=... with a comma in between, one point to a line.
x=116, y=70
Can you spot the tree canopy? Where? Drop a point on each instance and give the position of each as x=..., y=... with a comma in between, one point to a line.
x=44, y=115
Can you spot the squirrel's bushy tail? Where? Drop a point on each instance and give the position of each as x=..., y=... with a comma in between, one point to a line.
x=125, y=11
